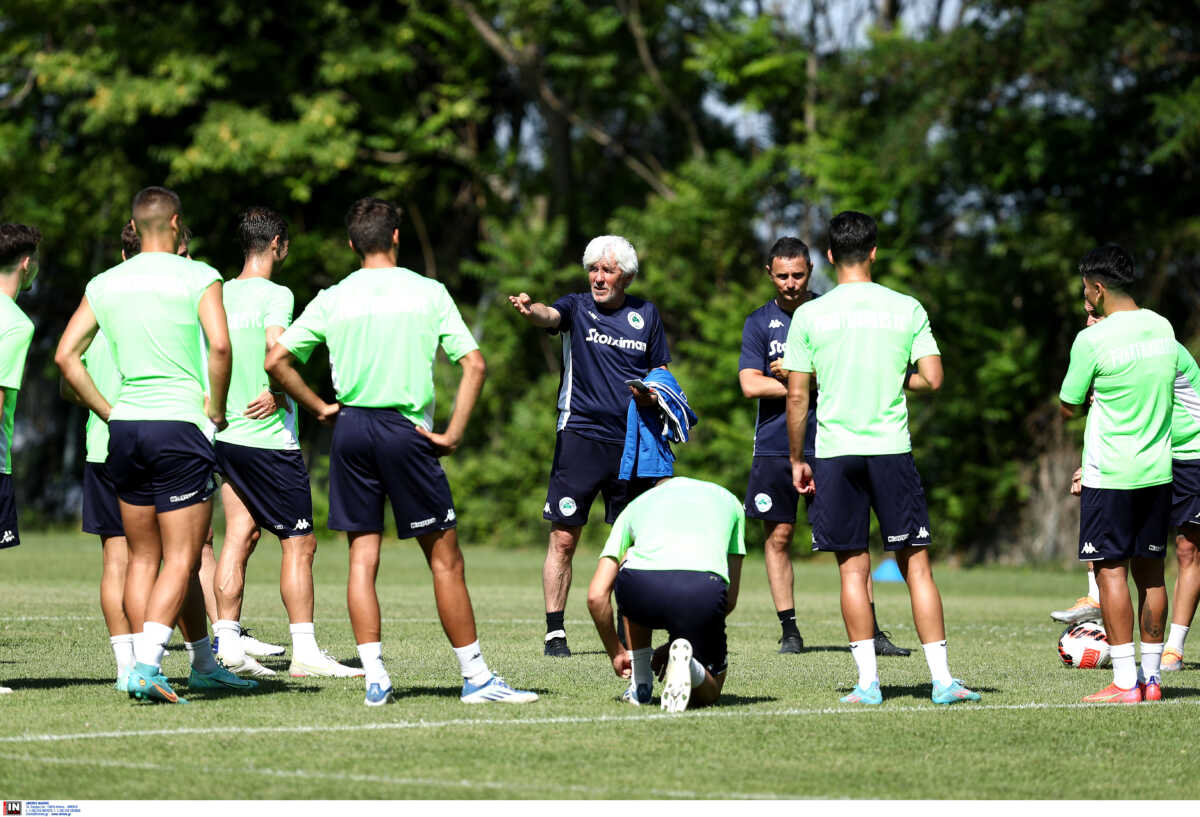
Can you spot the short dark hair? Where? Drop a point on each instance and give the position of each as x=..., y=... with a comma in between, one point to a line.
x=131, y=245
x=257, y=226
x=788, y=247
x=17, y=241
x=370, y=223
x=153, y=207
x=1111, y=266
x=852, y=236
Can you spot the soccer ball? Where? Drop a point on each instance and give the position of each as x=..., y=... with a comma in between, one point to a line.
x=1084, y=645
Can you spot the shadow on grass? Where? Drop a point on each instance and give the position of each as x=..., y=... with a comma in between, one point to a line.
x=266, y=686
x=727, y=700
x=1180, y=692
x=444, y=692
x=922, y=691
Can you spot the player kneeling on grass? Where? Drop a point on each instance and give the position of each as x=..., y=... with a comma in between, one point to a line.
x=674, y=558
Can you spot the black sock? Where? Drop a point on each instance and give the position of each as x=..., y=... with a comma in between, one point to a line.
x=874, y=620
x=787, y=620
x=554, y=621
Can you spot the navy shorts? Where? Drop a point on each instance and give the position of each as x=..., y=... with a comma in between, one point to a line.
x=1185, y=492
x=686, y=603
x=377, y=454
x=849, y=487
x=1115, y=524
x=165, y=463
x=582, y=468
x=10, y=537
x=770, y=494
x=101, y=510
x=272, y=484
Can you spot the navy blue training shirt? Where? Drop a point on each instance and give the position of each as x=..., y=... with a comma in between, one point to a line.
x=764, y=338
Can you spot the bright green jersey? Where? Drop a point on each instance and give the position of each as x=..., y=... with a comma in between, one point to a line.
x=103, y=369
x=383, y=327
x=16, y=330
x=1128, y=359
x=1185, y=422
x=251, y=306
x=682, y=524
x=859, y=338
x=147, y=307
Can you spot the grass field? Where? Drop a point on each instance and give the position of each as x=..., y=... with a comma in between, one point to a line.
x=778, y=732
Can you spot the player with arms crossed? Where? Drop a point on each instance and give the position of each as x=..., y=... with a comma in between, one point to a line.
x=770, y=495
x=152, y=309
x=383, y=325
x=1129, y=360
x=258, y=453
x=608, y=338
x=859, y=339
x=674, y=557
x=18, y=268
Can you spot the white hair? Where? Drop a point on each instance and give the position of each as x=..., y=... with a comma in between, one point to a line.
x=620, y=249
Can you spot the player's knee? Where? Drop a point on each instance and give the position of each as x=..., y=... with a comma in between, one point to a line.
x=1185, y=547
x=563, y=543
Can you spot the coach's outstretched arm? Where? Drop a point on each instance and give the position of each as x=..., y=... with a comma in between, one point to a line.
x=469, y=386
x=928, y=376
x=75, y=340
x=540, y=315
x=281, y=365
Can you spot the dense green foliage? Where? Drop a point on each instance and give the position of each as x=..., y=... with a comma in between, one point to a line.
x=994, y=141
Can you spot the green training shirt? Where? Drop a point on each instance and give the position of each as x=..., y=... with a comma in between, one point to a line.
x=1129, y=360
x=682, y=524
x=859, y=339
x=1185, y=422
x=103, y=369
x=383, y=327
x=16, y=331
x=147, y=307
x=252, y=305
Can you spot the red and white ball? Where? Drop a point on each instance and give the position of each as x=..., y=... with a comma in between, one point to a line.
x=1084, y=645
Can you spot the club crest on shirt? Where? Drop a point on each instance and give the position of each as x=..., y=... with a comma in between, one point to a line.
x=635, y=320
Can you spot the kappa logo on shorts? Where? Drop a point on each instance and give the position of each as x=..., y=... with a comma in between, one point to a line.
x=547, y=508
x=303, y=524
x=7, y=537
x=1088, y=547
x=922, y=533
x=762, y=502
x=450, y=515
x=635, y=320
x=567, y=506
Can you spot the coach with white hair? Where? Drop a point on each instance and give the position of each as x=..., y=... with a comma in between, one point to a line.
x=608, y=338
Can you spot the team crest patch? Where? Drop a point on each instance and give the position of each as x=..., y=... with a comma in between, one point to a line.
x=567, y=506
x=635, y=320
x=762, y=502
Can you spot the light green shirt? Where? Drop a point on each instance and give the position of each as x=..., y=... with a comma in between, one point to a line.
x=383, y=327
x=682, y=524
x=100, y=365
x=16, y=331
x=1129, y=360
x=252, y=305
x=1185, y=422
x=859, y=339
x=147, y=307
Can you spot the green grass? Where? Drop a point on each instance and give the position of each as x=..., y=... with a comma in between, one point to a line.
x=778, y=731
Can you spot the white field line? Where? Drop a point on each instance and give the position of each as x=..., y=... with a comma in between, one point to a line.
x=346, y=777
x=623, y=720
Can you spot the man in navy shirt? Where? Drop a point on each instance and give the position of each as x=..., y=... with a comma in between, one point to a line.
x=770, y=495
x=608, y=337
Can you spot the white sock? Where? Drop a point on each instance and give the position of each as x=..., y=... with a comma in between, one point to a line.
x=1151, y=659
x=640, y=661
x=699, y=674
x=1093, y=589
x=939, y=663
x=864, y=658
x=1124, y=667
x=371, y=655
x=304, y=641
x=229, y=641
x=150, y=644
x=1177, y=636
x=122, y=647
x=471, y=663
x=201, y=655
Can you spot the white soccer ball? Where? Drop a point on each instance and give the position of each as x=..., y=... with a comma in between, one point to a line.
x=1084, y=645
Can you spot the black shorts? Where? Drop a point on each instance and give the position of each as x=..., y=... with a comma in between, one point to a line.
x=582, y=468
x=272, y=484
x=101, y=510
x=770, y=495
x=376, y=454
x=165, y=463
x=1185, y=492
x=686, y=603
x=849, y=487
x=10, y=537
x=1115, y=524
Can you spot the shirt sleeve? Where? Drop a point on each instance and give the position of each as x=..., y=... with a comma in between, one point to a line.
x=565, y=306
x=798, y=355
x=619, y=539
x=309, y=329
x=737, y=537
x=657, y=352
x=1186, y=364
x=1080, y=372
x=14, y=343
x=204, y=276
x=453, y=333
x=752, y=356
x=923, y=344
x=279, y=308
